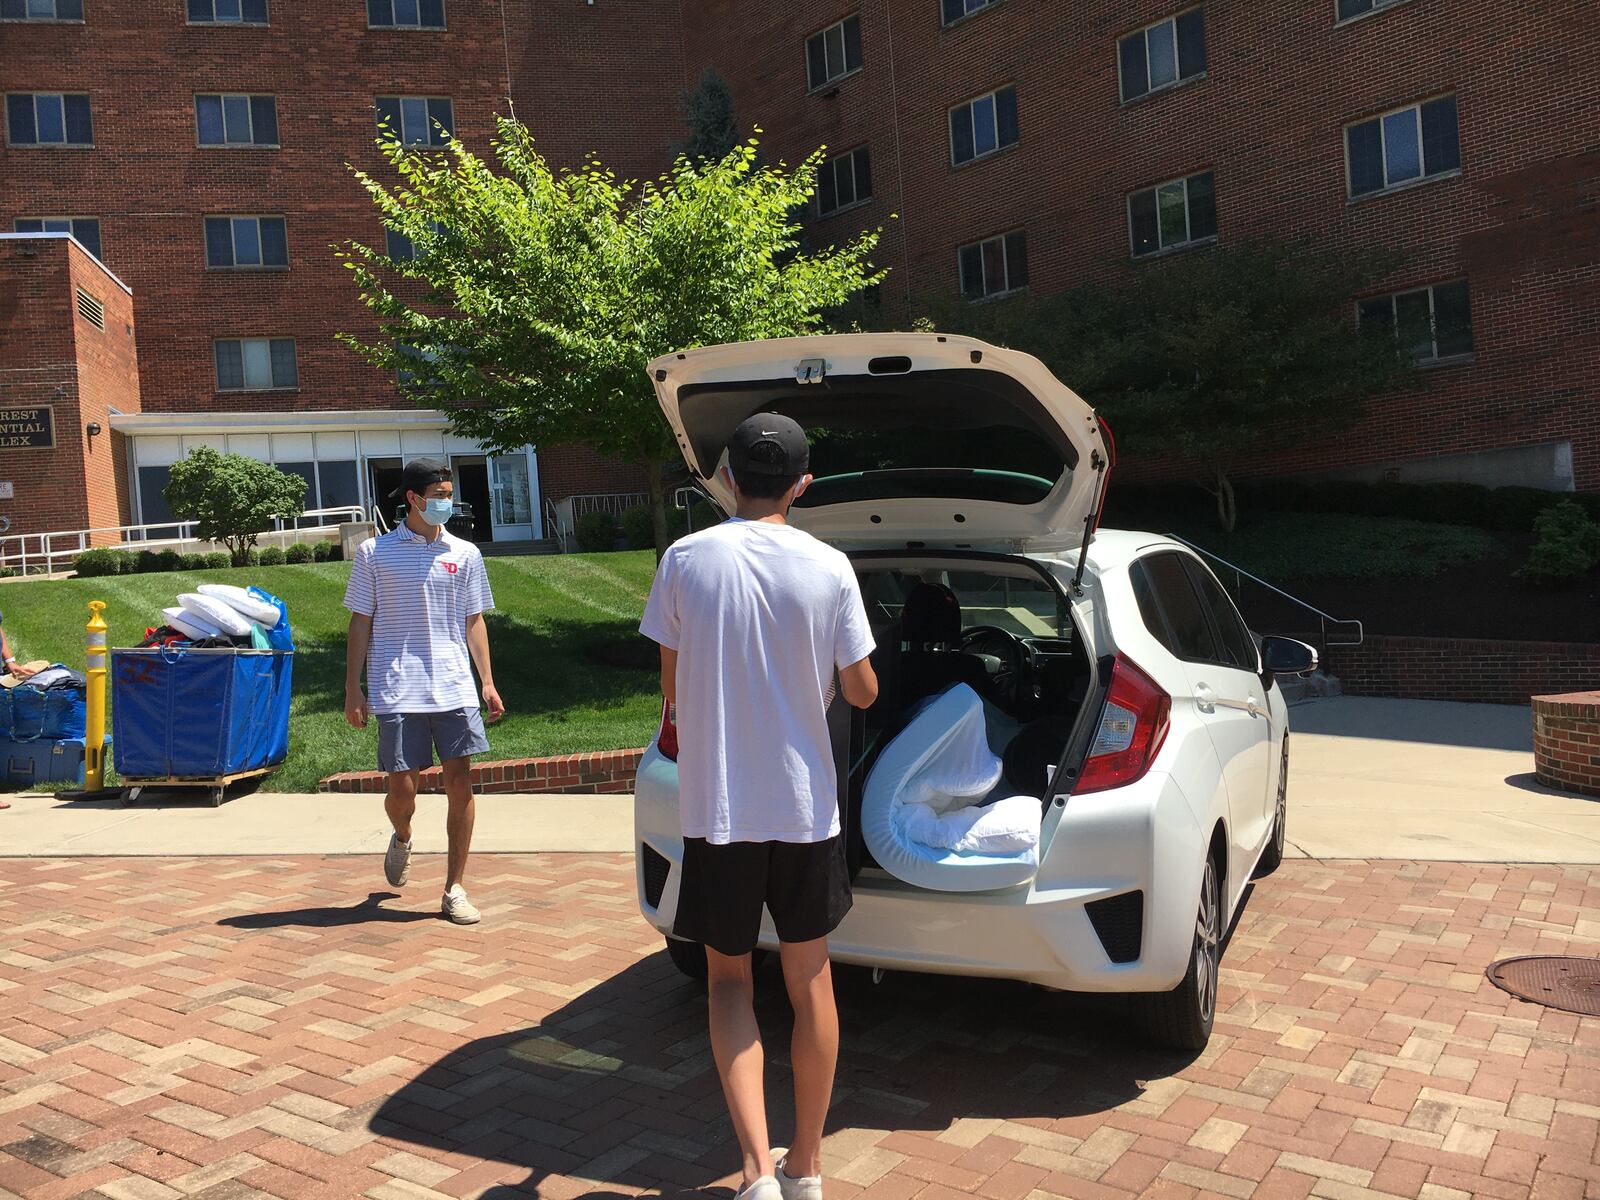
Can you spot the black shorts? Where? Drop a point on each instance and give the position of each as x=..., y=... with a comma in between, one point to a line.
x=804, y=885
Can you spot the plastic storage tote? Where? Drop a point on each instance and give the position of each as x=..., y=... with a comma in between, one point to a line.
x=199, y=714
x=32, y=762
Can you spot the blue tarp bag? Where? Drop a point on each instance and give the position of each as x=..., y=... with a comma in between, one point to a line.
x=199, y=714
x=280, y=636
x=51, y=714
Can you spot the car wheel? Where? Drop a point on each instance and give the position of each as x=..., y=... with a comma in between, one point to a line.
x=1183, y=1017
x=688, y=957
x=1272, y=856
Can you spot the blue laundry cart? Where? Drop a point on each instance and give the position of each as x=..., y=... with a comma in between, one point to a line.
x=200, y=718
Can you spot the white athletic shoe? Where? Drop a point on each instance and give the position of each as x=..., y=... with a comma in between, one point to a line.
x=765, y=1188
x=807, y=1188
x=458, y=908
x=397, y=861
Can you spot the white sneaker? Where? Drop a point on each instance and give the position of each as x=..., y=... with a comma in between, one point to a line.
x=458, y=908
x=765, y=1188
x=397, y=861
x=807, y=1188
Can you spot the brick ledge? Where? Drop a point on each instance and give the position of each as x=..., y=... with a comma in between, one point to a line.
x=595, y=771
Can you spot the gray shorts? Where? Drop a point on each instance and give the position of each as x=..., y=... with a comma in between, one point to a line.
x=406, y=741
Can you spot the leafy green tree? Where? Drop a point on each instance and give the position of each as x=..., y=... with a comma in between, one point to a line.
x=708, y=108
x=536, y=297
x=1214, y=355
x=231, y=498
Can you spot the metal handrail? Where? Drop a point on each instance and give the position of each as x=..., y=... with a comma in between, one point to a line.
x=552, y=526
x=1278, y=591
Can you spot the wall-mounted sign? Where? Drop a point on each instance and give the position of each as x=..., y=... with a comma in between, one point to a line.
x=8, y=490
x=32, y=428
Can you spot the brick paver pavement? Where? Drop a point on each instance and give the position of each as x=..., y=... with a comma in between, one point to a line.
x=227, y=1028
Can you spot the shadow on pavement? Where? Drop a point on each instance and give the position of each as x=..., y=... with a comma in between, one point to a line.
x=618, y=1085
x=359, y=913
x=1430, y=722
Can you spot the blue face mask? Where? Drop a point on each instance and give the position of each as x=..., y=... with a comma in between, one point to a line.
x=437, y=512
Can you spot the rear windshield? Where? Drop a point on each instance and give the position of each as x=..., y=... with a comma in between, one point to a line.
x=1024, y=605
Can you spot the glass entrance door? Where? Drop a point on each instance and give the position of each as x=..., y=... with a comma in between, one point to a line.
x=511, y=496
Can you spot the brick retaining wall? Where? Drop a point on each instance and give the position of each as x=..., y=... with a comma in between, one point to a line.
x=609, y=771
x=1566, y=742
x=1474, y=669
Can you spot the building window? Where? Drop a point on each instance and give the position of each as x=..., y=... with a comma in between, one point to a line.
x=993, y=266
x=48, y=119
x=844, y=181
x=41, y=10
x=246, y=242
x=982, y=126
x=405, y=14
x=1173, y=214
x=422, y=375
x=1431, y=324
x=236, y=120
x=400, y=247
x=1359, y=8
x=1163, y=55
x=85, y=229
x=153, y=507
x=416, y=120
x=954, y=10
x=1399, y=147
x=227, y=12
x=833, y=53
x=256, y=364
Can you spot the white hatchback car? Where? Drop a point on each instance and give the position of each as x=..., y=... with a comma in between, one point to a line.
x=1118, y=682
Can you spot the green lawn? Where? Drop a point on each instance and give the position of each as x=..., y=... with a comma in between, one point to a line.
x=550, y=611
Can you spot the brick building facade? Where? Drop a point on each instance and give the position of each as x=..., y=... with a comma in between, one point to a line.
x=1271, y=110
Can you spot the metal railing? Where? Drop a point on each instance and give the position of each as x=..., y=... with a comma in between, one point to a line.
x=57, y=550
x=1330, y=630
x=561, y=517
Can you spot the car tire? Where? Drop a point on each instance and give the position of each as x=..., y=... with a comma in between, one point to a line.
x=1183, y=1018
x=688, y=957
x=1272, y=857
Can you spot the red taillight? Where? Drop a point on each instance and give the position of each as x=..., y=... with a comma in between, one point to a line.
x=667, y=738
x=1132, y=728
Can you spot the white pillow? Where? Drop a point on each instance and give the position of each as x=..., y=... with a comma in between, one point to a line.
x=1006, y=826
x=226, y=618
x=189, y=623
x=240, y=600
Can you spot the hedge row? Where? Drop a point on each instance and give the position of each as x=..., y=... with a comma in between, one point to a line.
x=1506, y=508
x=106, y=561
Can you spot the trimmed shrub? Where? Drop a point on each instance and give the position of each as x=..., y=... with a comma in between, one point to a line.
x=103, y=561
x=146, y=561
x=322, y=551
x=1566, y=545
x=638, y=528
x=219, y=560
x=597, y=531
x=300, y=552
x=169, y=560
x=272, y=556
x=252, y=557
x=194, y=562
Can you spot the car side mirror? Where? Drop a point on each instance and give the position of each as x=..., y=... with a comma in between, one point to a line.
x=1285, y=656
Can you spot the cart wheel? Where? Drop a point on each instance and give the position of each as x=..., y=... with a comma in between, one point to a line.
x=216, y=797
x=129, y=795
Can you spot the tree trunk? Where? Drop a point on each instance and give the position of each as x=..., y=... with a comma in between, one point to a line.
x=1227, y=505
x=658, y=507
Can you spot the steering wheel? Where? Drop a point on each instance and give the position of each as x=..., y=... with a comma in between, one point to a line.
x=1002, y=644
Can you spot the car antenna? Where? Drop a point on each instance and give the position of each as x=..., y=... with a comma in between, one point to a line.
x=1102, y=484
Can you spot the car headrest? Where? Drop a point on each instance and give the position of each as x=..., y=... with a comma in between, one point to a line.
x=931, y=614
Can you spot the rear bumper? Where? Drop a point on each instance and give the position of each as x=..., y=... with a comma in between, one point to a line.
x=1141, y=838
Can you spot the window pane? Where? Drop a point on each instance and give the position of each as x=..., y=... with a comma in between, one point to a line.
x=153, y=508
x=961, y=134
x=52, y=123
x=236, y=120
x=863, y=163
x=219, y=242
x=1005, y=107
x=405, y=12
x=87, y=231
x=380, y=13
x=388, y=116
x=306, y=471
x=1191, y=43
x=1452, y=319
x=338, y=485
x=208, y=117
x=1016, y=260
x=58, y=225
x=1191, y=632
x=285, y=373
x=433, y=14
x=398, y=246
x=1365, y=145
x=255, y=11
x=1174, y=221
x=1144, y=593
x=834, y=39
x=257, y=363
x=954, y=10
x=1353, y=8
x=227, y=10
x=69, y=10
x=1376, y=314
x=1402, y=153
x=1238, y=648
x=13, y=10
x=19, y=117
x=1202, y=206
x=852, y=44
x=1130, y=53
x=274, y=243
x=983, y=135
x=246, y=242
x=1441, y=149
x=816, y=61
x=264, y=120
x=230, y=366
x=441, y=122
x=1163, y=53
x=79, y=130
x=200, y=10
x=994, y=266
x=28, y=225
x=1142, y=219
x=41, y=8
x=1415, y=324
x=414, y=120
x=972, y=271
x=828, y=187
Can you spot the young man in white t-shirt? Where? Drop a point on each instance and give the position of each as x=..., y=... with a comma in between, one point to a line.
x=754, y=617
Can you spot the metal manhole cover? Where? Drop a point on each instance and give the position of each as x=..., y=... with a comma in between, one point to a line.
x=1570, y=984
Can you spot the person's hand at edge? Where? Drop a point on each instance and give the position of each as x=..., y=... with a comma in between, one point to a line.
x=356, y=709
x=492, y=702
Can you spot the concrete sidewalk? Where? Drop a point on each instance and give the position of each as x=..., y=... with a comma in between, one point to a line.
x=1367, y=779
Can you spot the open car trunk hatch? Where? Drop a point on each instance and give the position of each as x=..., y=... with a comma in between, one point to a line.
x=917, y=439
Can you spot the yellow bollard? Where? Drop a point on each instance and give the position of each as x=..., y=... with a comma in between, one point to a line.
x=94, y=765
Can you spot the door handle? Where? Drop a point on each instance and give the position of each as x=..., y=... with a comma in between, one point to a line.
x=1205, y=699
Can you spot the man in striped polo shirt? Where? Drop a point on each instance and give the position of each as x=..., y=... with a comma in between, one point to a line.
x=416, y=597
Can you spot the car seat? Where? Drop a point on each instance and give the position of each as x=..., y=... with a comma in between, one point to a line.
x=930, y=630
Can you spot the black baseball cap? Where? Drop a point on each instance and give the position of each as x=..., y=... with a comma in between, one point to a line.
x=793, y=454
x=419, y=474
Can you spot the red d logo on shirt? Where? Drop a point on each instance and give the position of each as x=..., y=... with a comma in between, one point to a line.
x=450, y=566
